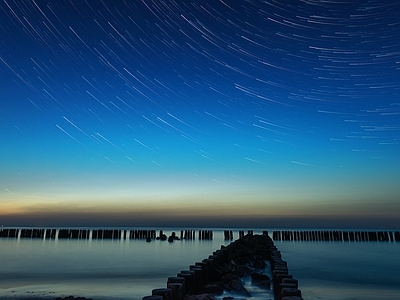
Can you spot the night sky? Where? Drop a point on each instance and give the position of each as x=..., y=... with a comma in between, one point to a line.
x=200, y=113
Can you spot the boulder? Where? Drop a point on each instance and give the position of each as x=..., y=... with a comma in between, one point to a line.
x=261, y=280
x=229, y=277
x=237, y=287
x=213, y=289
x=259, y=263
x=256, y=276
x=242, y=270
x=199, y=297
x=266, y=284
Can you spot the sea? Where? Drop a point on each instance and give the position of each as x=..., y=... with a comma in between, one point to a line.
x=131, y=268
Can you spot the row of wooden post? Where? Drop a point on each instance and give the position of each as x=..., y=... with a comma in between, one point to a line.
x=77, y=234
x=97, y=234
x=285, y=286
x=347, y=236
x=28, y=233
x=352, y=236
x=228, y=234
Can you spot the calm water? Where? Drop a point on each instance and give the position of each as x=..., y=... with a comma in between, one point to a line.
x=344, y=270
x=130, y=269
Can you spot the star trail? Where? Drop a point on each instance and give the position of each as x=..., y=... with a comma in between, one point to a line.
x=247, y=113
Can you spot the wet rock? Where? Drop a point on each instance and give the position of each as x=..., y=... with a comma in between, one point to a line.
x=263, y=284
x=237, y=287
x=243, y=270
x=213, y=289
x=216, y=273
x=259, y=263
x=200, y=297
x=256, y=276
x=229, y=277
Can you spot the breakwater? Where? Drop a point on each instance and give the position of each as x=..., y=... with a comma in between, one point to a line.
x=147, y=234
x=337, y=236
x=99, y=234
x=224, y=270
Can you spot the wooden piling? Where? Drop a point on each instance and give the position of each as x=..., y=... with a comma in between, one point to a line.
x=165, y=293
x=337, y=236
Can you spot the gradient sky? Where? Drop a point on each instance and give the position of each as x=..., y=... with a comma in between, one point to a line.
x=201, y=113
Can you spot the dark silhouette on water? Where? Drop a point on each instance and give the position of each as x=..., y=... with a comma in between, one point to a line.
x=224, y=269
x=351, y=236
x=335, y=236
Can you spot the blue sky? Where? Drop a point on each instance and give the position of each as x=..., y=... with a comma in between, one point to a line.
x=246, y=113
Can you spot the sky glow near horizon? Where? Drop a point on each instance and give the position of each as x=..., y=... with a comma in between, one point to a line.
x=124, y=112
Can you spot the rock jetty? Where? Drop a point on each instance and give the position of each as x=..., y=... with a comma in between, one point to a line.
x=223, y=272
